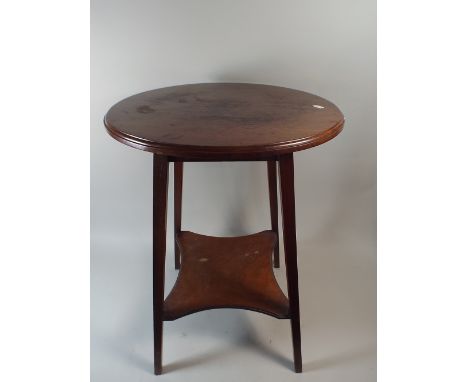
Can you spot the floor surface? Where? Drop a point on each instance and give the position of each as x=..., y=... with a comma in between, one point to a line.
x=337, y=296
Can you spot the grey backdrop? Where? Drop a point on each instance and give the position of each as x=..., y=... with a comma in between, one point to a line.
x=326, y=47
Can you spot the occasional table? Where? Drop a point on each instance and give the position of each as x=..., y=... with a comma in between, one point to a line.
x=224, y=122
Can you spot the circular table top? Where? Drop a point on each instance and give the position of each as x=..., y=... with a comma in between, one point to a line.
x=222, y=120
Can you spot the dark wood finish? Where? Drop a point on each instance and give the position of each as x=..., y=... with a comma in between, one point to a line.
x=286, y=168
x=226, y=272
x=160, y=183
x=229, y=120
x=178, y=180
x=272, y=187
x=224, y=122
x=227, y=158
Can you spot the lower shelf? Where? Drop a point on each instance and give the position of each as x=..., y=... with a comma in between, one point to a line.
x=226, y=272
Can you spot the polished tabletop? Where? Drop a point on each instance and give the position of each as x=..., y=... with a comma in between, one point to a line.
x=217, y=120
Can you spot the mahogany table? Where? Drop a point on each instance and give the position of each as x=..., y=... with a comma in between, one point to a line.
x=224, y=122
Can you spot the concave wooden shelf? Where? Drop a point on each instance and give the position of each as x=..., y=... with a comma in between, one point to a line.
x=226, y=272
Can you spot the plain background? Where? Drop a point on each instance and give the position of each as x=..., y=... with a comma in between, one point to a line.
x=422, y=204
x=324, y=47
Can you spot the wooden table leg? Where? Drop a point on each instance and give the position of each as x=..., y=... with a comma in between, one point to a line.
x=272, y=186
x=178, y=180
x=286, y=169
x=160, y=174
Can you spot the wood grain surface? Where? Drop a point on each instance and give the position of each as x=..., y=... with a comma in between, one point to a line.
x=223, y=119
x=226, y=272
